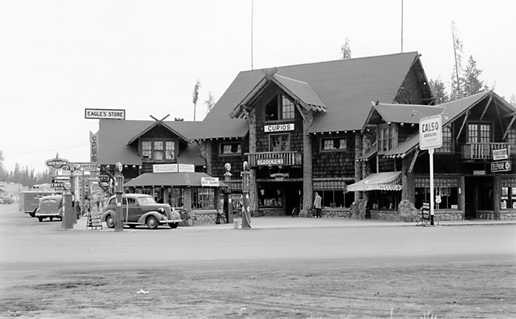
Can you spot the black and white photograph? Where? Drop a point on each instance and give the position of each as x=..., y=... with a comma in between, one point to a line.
x=257, y=159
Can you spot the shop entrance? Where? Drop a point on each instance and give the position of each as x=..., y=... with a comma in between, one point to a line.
x=478, y=196
x=279, y=198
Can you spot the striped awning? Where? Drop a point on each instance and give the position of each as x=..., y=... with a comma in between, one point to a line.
x=386, y=181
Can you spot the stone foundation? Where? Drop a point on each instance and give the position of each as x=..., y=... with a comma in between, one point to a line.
x=336, y=212
x=203, y=217
x=508, y=214
x=388, y=215
x=270, y=212
x=449, y=215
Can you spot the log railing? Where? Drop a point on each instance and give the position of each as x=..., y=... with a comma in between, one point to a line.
x=287, y=158
x=482, y=151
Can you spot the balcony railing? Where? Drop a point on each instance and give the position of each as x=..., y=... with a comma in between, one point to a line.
x=483, y=151
x=275, y=159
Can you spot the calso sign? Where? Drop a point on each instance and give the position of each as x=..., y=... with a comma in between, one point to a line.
x=430, y=132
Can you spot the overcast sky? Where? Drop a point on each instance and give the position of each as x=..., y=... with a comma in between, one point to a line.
x=58, y=57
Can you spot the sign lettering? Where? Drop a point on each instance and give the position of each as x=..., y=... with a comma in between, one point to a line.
x=501, y=154
x=210, y=182
x=278, y=127
x=269, y=161
x=111, y=114
x=430, y=132
x=173, y=168
x=501, y=166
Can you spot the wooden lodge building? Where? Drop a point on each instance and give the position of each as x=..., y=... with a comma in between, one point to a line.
x=346, y=129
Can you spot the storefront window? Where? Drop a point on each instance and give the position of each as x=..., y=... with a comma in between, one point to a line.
x=336, y=198
x=384, y=200
x=176, y=197
x=508, y=198
x=270, y=197
x=448, y=197
x=203, y=198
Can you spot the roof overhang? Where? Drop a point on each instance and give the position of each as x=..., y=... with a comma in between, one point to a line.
x=155, y=124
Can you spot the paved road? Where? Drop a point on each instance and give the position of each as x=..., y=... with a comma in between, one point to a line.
x=25, y=240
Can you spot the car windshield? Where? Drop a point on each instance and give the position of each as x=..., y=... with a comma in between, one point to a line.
x=145, y=200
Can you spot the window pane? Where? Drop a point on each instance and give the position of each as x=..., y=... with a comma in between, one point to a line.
x=472, y=133
x=146, y=149
x=328, y=144
x=342, y=144
x=485, y=133
x=279, y=143
x=170, y=150
x=203, y=198
x=287, y=108
x=271, y=110
x=226, y=148
x=447, y=140
x=158, y=145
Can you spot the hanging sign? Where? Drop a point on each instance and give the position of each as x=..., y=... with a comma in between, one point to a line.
x=501, y=154
x=269, y=161
x=278, y=127
x=173, y=168
x=93, y=147
x=56, y=162
x=430, y=132
x=109, y=114
x=210, y=182
x=501, y=166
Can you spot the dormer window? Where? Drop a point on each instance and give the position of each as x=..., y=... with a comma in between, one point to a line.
x=158, y=150
x=280, y=108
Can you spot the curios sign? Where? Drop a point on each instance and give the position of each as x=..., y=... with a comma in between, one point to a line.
x=278, y=128
x=430, y=132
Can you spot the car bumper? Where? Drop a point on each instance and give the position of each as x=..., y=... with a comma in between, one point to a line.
x=47, y=215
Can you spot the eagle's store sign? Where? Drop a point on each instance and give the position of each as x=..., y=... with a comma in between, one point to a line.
x=110, y=114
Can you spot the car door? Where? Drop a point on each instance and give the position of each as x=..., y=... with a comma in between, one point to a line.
x=132, y=210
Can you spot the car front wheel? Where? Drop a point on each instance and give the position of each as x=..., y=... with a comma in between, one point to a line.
x=173, y=225
x=110, y=222
x=152, y=222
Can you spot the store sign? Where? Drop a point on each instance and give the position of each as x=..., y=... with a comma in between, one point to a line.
x=57, y=162
x=501, y=166
x=110, y=114
x=269, y=161
x=210, y=182
x=86, y=166
x=479, y=172
x=430, y=132
x=280, y=176
x=278, y=127
x=501, y=154
x=173, y=168
x=93, y=147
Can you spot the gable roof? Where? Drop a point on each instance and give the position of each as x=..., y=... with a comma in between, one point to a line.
x=451, y=111
x=346, y=88
x=405, y=113
x=113, y=136
x=153, y=125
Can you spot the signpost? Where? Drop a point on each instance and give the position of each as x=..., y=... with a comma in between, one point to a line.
x=430, y=138
x=109, y=114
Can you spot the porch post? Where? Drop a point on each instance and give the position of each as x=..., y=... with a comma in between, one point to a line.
x=462, y=195
x=407, y=180
x=497, y=191
x=307, y=162
x=253, y=190
x=358, y=165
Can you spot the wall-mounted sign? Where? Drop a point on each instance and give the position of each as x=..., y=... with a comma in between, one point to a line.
x=430, y=132
x=280, y=176
x=173, y=168
x=56, y=162
x=501, y=166
x=93, y=147
x=86, y=166
x=479, y=172
x=278, y=127
x=269, y=161
x=210, y=182
x=110, y=114
x=501, y=154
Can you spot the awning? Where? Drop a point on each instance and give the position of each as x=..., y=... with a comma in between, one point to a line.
x=387, y=181
x=330, y=184
x=185, y=179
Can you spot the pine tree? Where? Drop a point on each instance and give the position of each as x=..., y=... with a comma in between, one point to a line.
x=472, y=82
x=439, y=91
x=346, y=50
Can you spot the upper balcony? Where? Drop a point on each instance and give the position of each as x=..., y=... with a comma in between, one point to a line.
x=285, y=158
x=482, y=151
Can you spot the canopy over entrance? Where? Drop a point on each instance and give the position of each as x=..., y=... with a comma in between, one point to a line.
x=386, y=181
x=185, y=179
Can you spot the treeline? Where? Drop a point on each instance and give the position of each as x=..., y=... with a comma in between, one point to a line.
x=23, y=175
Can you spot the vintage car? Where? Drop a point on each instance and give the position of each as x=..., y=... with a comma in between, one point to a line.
x=50, y=207
x=141, y=209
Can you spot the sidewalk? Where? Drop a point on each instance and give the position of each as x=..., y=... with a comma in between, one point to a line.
x=302, y=222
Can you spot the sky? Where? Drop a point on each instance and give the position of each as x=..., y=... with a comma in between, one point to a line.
x=59, y=57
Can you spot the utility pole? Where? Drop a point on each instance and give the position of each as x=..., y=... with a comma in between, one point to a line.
x=402, y=26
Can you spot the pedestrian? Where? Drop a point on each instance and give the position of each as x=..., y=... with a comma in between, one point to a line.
x=317, y=205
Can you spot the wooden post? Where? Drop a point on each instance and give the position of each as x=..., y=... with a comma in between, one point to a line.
x=358, y=165
x=307, y=162
x=462, y=195
x=497, y=191
x=253, y=188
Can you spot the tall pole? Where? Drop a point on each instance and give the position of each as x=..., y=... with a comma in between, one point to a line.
x=252, y=34
x=431, y=153
x=401, y=25
x=456, y=59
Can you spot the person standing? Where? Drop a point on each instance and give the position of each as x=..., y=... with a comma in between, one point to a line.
x=317, y=205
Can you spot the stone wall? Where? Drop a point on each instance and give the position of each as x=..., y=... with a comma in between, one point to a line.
x=449, y=215
x=508, y=214
x=336, y=212
x=203, y=217
x=388, y=215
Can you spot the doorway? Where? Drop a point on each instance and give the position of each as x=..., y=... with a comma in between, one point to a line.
x=478, y=196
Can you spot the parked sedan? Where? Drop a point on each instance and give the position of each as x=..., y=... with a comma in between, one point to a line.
x=50, y=207
x=141, y=209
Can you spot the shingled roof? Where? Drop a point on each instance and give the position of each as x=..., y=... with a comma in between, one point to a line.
x=346, y=87
x=405, y=113
x=114, y=136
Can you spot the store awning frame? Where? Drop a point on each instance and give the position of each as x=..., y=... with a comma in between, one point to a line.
x=385, y=181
